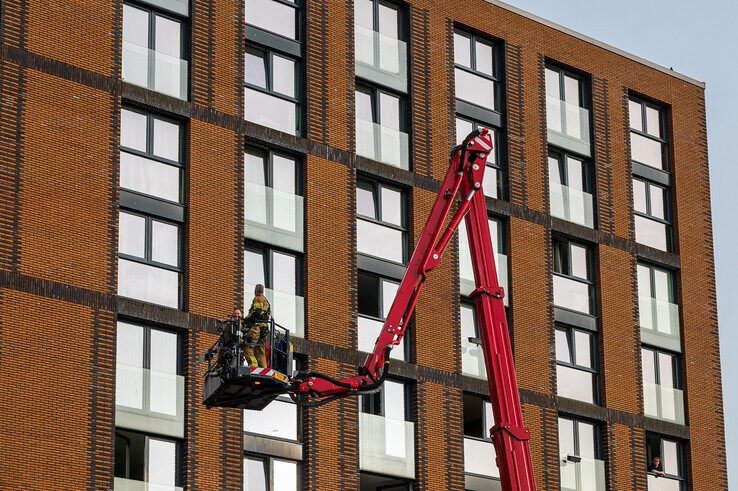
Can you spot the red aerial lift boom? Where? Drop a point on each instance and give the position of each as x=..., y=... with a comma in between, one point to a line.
x=509, y=435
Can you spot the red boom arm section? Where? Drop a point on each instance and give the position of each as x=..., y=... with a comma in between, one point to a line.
x=464, y=176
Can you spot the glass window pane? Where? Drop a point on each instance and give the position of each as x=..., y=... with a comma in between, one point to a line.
x=489, y=419
x=284, y=269
x=586, y=440
x=646, y=151
x=394, y=400
x=463, y=128
x=658, y=201
x=651, y=233
x=639, y=196
x=391, y=206
x=277, y=420
x=165, y=243
x=662, y=285
x=254, y=167
x=132, y=235
x=389, y=21
x=566, y=437
x=575, y=173
x=389, y=116
x=494, y=231
x=254, y=475
x=368, y=295
x=365, y=201
x=644, y=280
x=129, y=344
x=364, y=106
x=462, y=50
x=670, y=459
x=283, y=75
x=554, y=170
x=283, y=174
x=666, y=370
x=389, y=290
x=553, y=87
x=475, y=89
x=272, y=16
x=166, y=139
x=582, y=344
x=129, y=365
x=254, y=267
x=571, y=90
x=270, y=111
x=379, y=241
x=149, y=177
x=163, y=351
x=168, y=37
x=562, y=347
x=285, y=475
x=575, y=384
x=255, y=66
x=161, y=462
x=484, y=58
x=364, y=13
x=133, y=130
x=135, y=26
x=635, y=115
x=572, y=294
x=653, y=121
x=148, y=283
x=163, y=388
x=648, y=366
x=579, y=261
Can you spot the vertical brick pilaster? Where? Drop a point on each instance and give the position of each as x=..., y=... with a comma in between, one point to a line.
x=602, y=165
x=514, y=92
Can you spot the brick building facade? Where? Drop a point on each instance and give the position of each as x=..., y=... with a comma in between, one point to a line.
x=160, y=157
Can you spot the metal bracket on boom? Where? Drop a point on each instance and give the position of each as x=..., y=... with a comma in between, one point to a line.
x=482, y=290
x=520, y=433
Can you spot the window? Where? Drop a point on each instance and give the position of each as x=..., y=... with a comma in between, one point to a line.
x=278, y=420
x=572, y=279
x=671, y=454
x=149, y=259
x=479, y=453
x=652, y=214
x=570, y=184
x=381, y=51
x=281, y=274
x=142, y=457
x=381, y=126
x=663, y=397
x=467, y=283
x=153, y=48
x=273, y=204
x=151, y=155
x=149, y=380
x=472, y=355
x=275, y=16
x=476, y=71
x=576, y=372
x=380, y=221
x=659, y=313
x=262, y=473
x=493, y=181
x=647, y=134
x=580, y=455
x=567, y=114
x=375, y=295
x=391, y=401
x=376, y=482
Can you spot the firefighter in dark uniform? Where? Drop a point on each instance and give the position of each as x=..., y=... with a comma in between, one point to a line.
x=257, y=329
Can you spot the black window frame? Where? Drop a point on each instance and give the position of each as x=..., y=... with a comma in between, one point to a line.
x=483, y=400
x=267, y=462
x=652, y=279
x=267, y=154
x=668, y=220
x=374, y=403
x=148, y=243
x=376, y=187
x=584, y=84
x=676, y=361
x=153, y=12
x=663, y=128
x=374, y=92
x=594, y=355
x=681, y=455
x=299, y=29
x=497, y=67
x=597, y=435
x=561, y=155
x=380, y=297
x=266, y=251
x=178, y=453
x=267, y=53
x=402, y=33
x=147, y=328
x=590, y=280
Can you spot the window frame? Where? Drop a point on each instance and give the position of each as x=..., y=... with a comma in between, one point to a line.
x=594, y=356
x=402, y=31
x=266, y=252
x=376, y=188
x=597, y=435
x=676, y=366
x=561, y=155
x=153, y=12
x=148, y=238
x=267, y=155
x=663, y=141
x=496, y=64
x=178, y=454
x=589, y=257
x=680, y=455
x=268, y=463
x=484, y=400
x=268, y=53
x=146, y=348
x=584, y=99
x=379, y=292
x=374, y=92
x=369, y=403
x=652, y=268
x=299, y=30
x=668, y=220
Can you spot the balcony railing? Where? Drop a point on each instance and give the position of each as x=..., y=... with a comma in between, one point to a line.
x=571, y=294
x=659, y=322
x=154, y=70
x=149, y=401
x=381, y=143
x=568, y=125
x=572, y=205
x=121, y=484
x=466, y=272
x=663, y=484
x=369, y=330
x=386, y=445
x=585, y=475
x=480, y=458
x=288, y=309
x=381, y=58
x=663, y=402
x=148, y=283
x=274, y=217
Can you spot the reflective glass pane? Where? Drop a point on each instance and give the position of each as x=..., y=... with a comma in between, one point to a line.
x=648, y=366
x=554, y=170
x=646, y=151
x=364, y=13
x=255, y=67
x=575, y=173
x=149, y=177
x=582, y=343
x=662, y=285
x=666, y=370
x=475, y=89
x=635, y=116
x=380, y=241
x=644, y=280
x=254, y=267
x=571, y=90
x=394, y=400
x=283, y=75
x=135, y=25
x=284, y=272
x=254, y=167
x=653, y=122
x=391, y=206
x=148, y=283
x=168, y=37
x=562, y=347
x=365, y=201
x=571, y=294
x=163, y=351
x=463, y=128
x=651, y=233
x=283, y=174
x=163, y=389
x=484, y=58
x=658, y=201
x=166, y=139
x=389, y=21
x=639, y=196
x=553, y=87
x=566, y=437
x=129, y=344
x=586, y=440
x=285, y=475
x=578, y=256
x=254, y=475
x=489, y=419
x=574, y=384
x=129, y=370
x=462, y=50
x=161, y=463
x=389, y=290
x=165, y=243
x=272, y=16
x=670, y=459
x=277, y=420
x=132, y=235
x=364, y=106
x=133, y=130
x=270, y=111
x=389, y=116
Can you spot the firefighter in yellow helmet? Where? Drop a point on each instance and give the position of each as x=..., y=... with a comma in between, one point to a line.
x=257, y=329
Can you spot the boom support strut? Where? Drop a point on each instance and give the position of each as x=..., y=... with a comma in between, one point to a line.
x=464, y=178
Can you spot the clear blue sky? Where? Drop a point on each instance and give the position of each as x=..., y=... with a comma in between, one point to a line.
x=698, y=39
